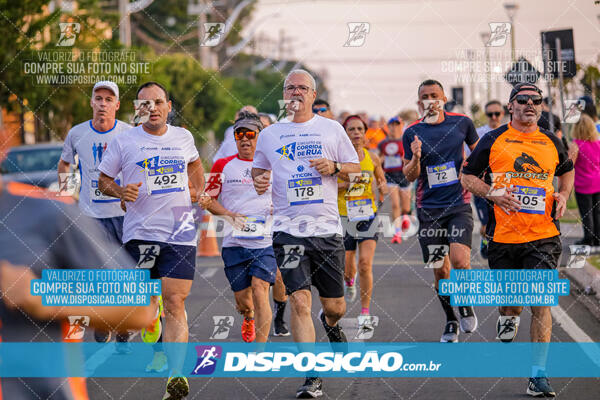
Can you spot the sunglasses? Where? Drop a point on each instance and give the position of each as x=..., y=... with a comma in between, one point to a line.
x=248, y=134
x=493, y=114
x=318, y=110
x=524, y=98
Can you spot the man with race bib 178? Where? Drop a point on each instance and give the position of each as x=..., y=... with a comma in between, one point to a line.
x=518, y=162
x=89, y=141
x=157, y=160
x=305, y=155
x=433, y=155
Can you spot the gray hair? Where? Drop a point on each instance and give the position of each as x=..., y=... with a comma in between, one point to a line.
x=301, y=72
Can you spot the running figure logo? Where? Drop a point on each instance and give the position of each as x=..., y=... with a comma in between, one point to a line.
x=77, y=325
x=222, y=326
x=207, y=359
x=148, y=254
x=577, y=255
x=214, y=182
x=573, y=111
x=287, y=151
x=185, y=223
x=358, y=34
x=68, y=33
x=436, y=255
x=507, y=327
x=285, y=111
x=213, y=33
x=499, y=33
x=98, y=150
x=292, y=255
x=366, y=329
x=67, y=183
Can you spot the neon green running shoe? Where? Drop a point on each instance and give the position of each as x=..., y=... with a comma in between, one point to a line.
x=151, y=333
x=177, y=388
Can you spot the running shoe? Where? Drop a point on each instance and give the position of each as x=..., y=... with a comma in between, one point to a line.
x=405, y=222
x=158, y=363
x=468, y=319
x=507, y=328
x=102, y=337
x=450, y=334
x=312, y=388
x=397, y=238
x=280, y=328
x=248, y=331
x=177, y=388
x=335, y=334
x=152, y=333
x=122, y=344
x=540, y=387
x=350, y=292
x=483, y=248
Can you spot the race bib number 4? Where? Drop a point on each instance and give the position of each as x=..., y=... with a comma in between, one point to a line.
x=253, y=229
x=442, y=175
x=165, y=179
x=304, y=191
x=360, y=209
x=533, y=199
x=98, y=197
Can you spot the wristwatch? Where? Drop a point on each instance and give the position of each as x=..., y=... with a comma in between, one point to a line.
x=337, y=168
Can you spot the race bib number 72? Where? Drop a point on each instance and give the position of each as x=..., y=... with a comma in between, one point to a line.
x=442, y=174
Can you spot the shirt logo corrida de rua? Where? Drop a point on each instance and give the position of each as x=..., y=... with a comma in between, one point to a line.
x=98, y=150
x=158, y=161
x=301, y=150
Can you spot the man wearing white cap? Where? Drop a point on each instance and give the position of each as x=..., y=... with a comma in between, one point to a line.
x=89, y=140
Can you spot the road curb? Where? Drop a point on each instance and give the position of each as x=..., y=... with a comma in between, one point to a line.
x=586, y=278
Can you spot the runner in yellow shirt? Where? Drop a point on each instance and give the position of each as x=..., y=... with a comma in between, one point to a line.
x=356, y=203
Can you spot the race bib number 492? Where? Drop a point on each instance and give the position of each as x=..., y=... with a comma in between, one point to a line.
x=165, y=179
x=442, y=174
x=533, y=199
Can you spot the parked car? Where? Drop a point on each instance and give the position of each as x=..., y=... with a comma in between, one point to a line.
x=33, y=164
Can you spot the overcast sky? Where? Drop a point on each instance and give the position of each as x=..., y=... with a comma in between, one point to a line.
x=410, y=40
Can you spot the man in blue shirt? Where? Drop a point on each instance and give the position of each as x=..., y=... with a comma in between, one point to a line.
x=433, y=156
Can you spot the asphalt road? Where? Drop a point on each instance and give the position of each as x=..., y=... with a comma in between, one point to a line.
x=408, y=311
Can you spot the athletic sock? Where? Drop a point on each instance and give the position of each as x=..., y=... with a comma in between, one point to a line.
x=350, y=282
x=364, y=311
x=447, y=307
x=279, y=309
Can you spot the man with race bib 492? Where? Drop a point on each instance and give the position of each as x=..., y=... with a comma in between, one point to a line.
x=157, y=160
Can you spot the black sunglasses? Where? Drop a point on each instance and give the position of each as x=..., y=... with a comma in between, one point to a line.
x=524, y=98
x=493, y=114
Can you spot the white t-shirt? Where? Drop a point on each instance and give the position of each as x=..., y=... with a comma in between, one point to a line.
x=228, y=147
x=237, y=194
x=91, y=145
x=163, y=209
x=305, y=203
x=481, y=131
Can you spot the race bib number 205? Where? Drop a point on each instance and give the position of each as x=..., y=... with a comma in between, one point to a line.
x=165, y=179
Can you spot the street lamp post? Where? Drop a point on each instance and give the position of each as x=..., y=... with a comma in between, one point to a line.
x=485, y=38
x=511, y=11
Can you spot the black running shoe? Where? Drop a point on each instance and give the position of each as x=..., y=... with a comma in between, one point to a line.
x=312, y=388
x=101, y=336
x=540, y=387
x=334, y=333
x=450, y=334
x=280, y=328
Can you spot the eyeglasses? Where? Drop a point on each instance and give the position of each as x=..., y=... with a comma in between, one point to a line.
x=493, y=114
x=291, y=88
x=318, y=110
x=524, y=98
x=248, y=134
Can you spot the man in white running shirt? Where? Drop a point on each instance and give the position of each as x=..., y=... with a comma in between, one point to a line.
x=89, y=141
x=157, y=160
x=305, y=155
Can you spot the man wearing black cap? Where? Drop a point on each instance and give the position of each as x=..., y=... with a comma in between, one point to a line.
x=513, y=168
